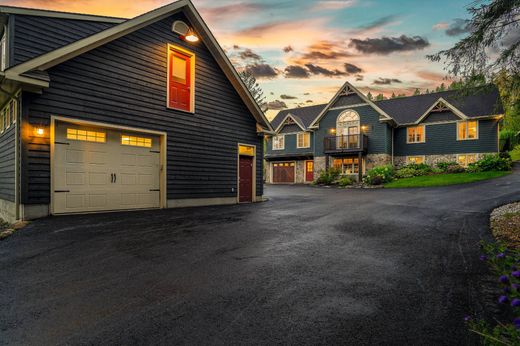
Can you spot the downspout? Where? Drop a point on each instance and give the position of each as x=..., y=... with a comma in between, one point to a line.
x=392, y=145
x=17, y=155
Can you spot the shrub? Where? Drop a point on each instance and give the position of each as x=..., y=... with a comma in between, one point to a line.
x=491, y=162
x=380, y=175
x=509, y=139
x=345, y=181
x=445, y=165
x=413, y=170
x=456, y=168
x=328, y=177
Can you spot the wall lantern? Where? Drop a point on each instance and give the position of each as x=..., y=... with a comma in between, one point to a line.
x=364, y=128
x=185, y=32
x=332, y=131
x=39, y=131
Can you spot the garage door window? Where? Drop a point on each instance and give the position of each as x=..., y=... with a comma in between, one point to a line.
x=83, y=135
x=136, y=141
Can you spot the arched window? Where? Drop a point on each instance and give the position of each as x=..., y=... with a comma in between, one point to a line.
x=347, y=123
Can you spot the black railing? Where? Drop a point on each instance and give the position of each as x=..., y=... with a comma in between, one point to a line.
x=346, y=143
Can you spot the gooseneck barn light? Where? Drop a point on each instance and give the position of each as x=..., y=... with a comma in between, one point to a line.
x=185, y=32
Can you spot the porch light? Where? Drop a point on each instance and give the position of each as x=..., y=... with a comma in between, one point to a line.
x=191, y=36
x=39, y=131
x=332, y=131
x=364, y=128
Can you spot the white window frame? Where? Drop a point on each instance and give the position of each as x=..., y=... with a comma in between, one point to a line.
x=278, y=146
x=415, y=136
x=3, y=50
x=466, y=163
x=467, y=132
x=410, y=156
x=305, y=135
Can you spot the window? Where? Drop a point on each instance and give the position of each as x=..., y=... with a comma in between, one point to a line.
x=8, y=115
x=347, y=165
x=279, y=142
x=246, y=150
x=3, y=50
x=415, y=134
x=347, y=123
x=467, y=130
x=84, y=135
x=303, y=140
x=181, y=79
x=136, y=141
x=415, y=159
x=466, y=159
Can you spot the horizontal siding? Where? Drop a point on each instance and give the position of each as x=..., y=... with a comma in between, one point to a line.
x=34, y=35
x=290, y=146
x=124, y=83
x=290, y=128
x=441, y=116
x=7, y=164
x=348, y=100
x=442, y=139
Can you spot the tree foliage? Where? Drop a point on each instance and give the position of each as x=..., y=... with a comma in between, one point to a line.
x=254, y=88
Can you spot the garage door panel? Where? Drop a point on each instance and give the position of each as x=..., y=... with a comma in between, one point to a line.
x=128, y=179
x=128, y=159
x=97, y=158
x=283, y=172
x=75, y=156
x=98, y=178
x=75, y=178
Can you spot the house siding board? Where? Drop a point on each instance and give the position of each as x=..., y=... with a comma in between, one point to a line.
x=441, y=116
x=378, y=141
x=442, y=139
x=348, y=100
x=124, y=83
x=290, y=146
x=35, y=35
x=291, y=129
x=7, y=164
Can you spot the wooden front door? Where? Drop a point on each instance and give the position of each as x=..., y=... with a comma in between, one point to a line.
x=245, y=173
x=283, y=172
x=180, y=79
x=309, y=170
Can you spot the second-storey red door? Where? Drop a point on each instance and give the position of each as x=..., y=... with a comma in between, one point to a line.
x=180, y=81
x=309, y=170
x=245, y=175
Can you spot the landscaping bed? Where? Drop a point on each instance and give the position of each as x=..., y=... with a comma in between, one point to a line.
x=505, y=224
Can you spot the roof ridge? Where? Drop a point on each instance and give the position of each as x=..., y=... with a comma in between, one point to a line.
x=431, y=93
x=55, y=13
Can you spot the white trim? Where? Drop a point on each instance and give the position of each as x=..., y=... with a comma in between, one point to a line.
x=163, y=148
x=298, y=142
x=468, y=139
x=446, y=103
x=350, y=106
x=58, y=14
x=353, y=90
x=423, y=158
x=282, y=124
x=482, y=117
x=191, y=55
x=424, y=134
x=272, y=142
x=253, y=185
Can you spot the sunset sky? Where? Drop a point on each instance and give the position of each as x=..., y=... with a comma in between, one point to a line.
x=303, y=50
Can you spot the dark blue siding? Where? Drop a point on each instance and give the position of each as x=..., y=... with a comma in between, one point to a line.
x=442, y=139
x=378, y=133
x=348, y=100
x=440, y=116
x=290, y=146
x=7, y=164
x=291, y=129
x=124, y=83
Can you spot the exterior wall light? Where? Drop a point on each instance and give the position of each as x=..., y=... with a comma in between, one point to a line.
x=332, y=131
x=191, y=37
x=39, y=131
x=364, y=128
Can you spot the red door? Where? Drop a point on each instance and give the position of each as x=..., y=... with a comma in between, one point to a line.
x=245, y=174
x=309, y=170
x=180, y=80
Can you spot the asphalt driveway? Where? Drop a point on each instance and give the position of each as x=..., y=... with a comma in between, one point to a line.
x=310, y=266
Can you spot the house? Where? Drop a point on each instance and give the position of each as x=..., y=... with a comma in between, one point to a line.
x=102, y=113
x=354, y=134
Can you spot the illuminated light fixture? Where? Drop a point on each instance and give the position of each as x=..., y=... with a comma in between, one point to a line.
x=364, y=128
x=184, y=31
x=39, y=131
x=332, y=131
x=191, y=37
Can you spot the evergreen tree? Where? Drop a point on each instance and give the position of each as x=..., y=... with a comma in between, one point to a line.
x=393, y=96
x=417, y=92
x=380, y=97
x=369, y=96
x=254, y=88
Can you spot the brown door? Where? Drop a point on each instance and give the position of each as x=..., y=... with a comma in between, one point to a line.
x=283, y=172
x=245, y=173
x=309, y=170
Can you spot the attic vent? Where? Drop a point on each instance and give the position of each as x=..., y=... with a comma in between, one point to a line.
x=180, y=27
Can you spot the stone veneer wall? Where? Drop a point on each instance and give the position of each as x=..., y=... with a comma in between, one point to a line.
x=7, y=211
x=434, y=159
x=267, y=171
x=374, y=160
x=319, y=165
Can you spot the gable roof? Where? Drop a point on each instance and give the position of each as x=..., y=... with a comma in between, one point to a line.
x=306, y=115
x=296, y=120
x=412, y=109
x=55, y=57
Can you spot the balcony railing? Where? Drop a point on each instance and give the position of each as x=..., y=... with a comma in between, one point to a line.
x=346, y=144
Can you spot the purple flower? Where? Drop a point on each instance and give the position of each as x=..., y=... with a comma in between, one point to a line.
x=515, y=302
x=467, y=318
x=507, y=289
x=483, y=257
x=515, y=286
x=516, y=322
x=503, y=279
x=503, y=299
x=501, y=255
x=516, y=274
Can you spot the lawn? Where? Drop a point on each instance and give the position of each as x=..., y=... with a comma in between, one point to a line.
x=444, y=179
x=515, y=153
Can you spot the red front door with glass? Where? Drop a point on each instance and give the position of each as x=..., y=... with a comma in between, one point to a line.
x=245, y=176
x=179, y=81
x=309, y=170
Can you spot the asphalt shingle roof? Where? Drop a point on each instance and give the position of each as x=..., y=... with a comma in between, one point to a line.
x=406, y=110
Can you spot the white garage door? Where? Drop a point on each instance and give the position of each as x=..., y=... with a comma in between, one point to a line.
x=98, y=169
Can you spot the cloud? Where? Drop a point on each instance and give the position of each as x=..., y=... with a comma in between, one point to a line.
x=288, y=49
x=359, y=78
x=231, y=11
x=276, y=105
x=388, y=45
x=326, y=50
x=458, y=27
x=249, y=54
x=327, y=5
x=287, y=97
x=261, y=70
x=309, y=101
x=386, y=81
x=294, y=71
x=318, y=70
x=352, y=69
x=378, y=23
x=440, y=26
x=431, y=76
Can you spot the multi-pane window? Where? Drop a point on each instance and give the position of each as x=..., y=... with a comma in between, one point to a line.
x=467, y=130
x=84, y=135
x=136, y=141
x=466, y=159
x=415, y=159
x=279, y=142
x=8, y=115
x=347, y=165
x=303, y=140
x=415, y=134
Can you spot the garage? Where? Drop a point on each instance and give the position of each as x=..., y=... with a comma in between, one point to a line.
x=283, y=172
x=103, y=169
